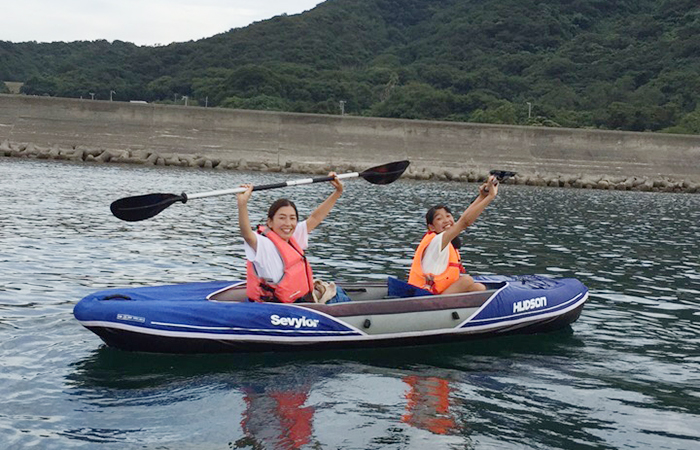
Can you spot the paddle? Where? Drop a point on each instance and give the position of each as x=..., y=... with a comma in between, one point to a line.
x=141, y=207
x=501, y=176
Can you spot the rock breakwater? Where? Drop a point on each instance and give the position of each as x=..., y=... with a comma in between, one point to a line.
x=145, y=157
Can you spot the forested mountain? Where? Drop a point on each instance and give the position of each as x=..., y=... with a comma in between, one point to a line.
x=613, y=64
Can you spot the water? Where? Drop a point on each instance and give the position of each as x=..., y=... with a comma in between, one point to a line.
x=626, y=375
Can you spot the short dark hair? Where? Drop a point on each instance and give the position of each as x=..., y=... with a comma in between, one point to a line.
x=430, y=215
x=279, y=203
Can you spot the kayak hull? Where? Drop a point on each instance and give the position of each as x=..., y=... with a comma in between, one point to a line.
x=135, y=341
x=215, y=317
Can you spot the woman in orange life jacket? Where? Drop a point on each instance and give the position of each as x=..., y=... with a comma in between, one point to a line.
x=436, y=264
x=277, y=269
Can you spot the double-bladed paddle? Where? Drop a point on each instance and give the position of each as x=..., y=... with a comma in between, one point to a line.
x=501, y=176
x=141, y=207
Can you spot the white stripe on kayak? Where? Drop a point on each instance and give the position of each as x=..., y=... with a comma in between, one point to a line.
x=267, y=330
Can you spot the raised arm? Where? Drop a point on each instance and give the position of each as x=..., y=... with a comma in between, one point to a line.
x=243, y=221
x=474, y=210
x=324, y=208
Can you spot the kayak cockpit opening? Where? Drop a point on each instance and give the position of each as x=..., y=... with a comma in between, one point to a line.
x=391, y=289
x=356, y=292
x=233, y=293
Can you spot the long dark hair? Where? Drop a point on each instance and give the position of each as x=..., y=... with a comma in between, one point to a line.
x=279, y=203
x=430, y=216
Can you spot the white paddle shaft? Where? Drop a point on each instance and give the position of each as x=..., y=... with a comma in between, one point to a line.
x=237, y=190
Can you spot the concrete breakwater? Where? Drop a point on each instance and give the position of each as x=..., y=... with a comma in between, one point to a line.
x=159, y=135
x=660, y=184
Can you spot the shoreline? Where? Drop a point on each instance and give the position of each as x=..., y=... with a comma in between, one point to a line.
x=153, y=158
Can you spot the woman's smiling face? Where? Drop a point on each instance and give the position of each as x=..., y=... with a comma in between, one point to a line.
x=284, y=222
x=441, y=221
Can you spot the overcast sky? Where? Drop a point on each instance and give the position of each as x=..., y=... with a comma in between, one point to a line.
x=142, y=22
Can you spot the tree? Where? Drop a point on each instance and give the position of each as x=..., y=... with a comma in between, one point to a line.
x=617, y=64
x=504, y=113
x=416, y=101
x=689, y=124
x=260, y=102
x=40, y=86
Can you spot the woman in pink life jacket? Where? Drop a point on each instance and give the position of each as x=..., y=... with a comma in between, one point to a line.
x=277, y=268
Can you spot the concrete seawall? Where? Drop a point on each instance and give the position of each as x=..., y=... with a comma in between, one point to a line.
x=102, y=131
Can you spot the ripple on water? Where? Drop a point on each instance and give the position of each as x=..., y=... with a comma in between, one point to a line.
x=627, y=369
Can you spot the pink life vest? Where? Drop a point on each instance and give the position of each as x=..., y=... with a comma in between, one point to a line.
x=297, y=281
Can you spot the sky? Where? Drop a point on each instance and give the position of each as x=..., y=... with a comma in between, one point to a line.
x=142, y=22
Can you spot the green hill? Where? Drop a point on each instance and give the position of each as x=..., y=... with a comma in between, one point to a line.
x=613, y=64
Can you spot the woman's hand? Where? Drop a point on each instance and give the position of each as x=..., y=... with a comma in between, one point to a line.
x=489, y=188
x=493, y=186
x=243, y=197
x=337, y=184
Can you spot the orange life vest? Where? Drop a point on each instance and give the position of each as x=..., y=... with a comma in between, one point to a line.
x=296, y=282
x=435, y=283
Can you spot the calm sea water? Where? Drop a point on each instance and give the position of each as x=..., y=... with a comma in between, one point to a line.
x=625, y=376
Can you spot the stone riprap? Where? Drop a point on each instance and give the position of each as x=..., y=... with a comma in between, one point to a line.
x=662, y=184
x=216, y=138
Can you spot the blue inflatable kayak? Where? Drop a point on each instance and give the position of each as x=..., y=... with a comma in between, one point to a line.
x=214, y=317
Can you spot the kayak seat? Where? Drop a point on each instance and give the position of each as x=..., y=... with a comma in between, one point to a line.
x=400, y=289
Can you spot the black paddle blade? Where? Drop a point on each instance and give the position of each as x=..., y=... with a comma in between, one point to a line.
x=142, y=207
x=502, y=175
x=386, y=173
